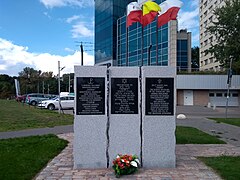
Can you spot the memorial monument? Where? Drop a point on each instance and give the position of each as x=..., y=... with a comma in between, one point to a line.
x=127, y=110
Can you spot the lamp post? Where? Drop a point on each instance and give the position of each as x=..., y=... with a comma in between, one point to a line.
x=59, y=87
x=229, y=85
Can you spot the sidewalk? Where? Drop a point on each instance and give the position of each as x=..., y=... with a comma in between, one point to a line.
x=196, y=116
x=188, y=166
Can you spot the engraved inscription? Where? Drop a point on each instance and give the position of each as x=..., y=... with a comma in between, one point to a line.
x=159, y=96
x=124, y=95
x=90, y=96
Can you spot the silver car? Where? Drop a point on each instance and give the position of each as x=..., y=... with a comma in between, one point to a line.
x=67, y=102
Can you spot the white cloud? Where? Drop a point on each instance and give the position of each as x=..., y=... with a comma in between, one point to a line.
x=69, y=50
x=61, y=3
x=73, y=18
x=13, y=55
x=81, y=30
x=188, y=19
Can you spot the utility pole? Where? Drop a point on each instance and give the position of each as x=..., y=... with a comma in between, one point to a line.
x=69, y=83
x=59, y=87
x=59, y=90
x=43, y=87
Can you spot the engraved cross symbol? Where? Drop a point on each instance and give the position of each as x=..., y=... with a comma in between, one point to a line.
x=159, y=81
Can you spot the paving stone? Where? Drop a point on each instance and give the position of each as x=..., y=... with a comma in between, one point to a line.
x=188, y=167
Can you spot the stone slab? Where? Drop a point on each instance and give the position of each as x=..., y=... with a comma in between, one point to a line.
x=89, y=147
x=159, y=130
x=124, y=128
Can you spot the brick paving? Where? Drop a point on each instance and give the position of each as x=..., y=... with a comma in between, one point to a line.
x=188, y=166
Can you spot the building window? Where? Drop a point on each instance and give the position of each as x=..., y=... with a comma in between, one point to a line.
x=210, y=7
x=210, y=18
x=206, y=62
x=211, y=60
x=205, y=33
x=211, y=94
x=205, y=4
x=211, y=39
x=234, y=94
x=205, y=13
x=219, y=94
x=205, y=42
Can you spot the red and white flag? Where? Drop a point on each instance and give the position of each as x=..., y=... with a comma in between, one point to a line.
x=134, y=13
x=169, y=11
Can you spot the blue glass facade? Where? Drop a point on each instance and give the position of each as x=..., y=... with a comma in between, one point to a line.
x=106, y=15
x=182, y=55
x=135, y=44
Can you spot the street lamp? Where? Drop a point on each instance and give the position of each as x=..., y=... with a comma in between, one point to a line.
x=59, y=87
x=229, y=79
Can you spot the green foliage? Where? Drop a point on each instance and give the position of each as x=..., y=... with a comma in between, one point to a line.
x=226, y=30
x=232, y=121
x=189, y=135
x=18, y=116
x=226, y=166
x=195, y=58
x=23, y=158
x=6, y=86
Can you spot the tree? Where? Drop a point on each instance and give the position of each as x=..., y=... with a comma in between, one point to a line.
x=226, y=29
x=7, y=87
x=195, y=58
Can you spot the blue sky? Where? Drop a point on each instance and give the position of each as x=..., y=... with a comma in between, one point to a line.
x=38, y=33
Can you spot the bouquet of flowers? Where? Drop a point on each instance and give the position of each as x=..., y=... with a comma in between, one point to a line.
x=125, y=164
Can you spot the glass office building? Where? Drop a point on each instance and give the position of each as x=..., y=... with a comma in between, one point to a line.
x=150, y=44
x=158, y=44
x=106, y=15
x=183, y=50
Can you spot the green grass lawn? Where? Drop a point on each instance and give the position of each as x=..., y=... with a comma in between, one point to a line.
x=232, y=121
x=228, y=167
x=17, y=116
x=189, y=135
x=23, y=158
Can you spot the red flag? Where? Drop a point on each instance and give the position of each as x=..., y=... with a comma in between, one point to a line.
x=134, y=13
x=169, y=11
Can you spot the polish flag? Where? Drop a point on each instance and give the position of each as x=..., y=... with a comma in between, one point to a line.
x=134, y=13
x=169, y=11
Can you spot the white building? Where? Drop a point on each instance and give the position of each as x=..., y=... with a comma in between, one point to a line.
x=207, y=61
x=204, y=89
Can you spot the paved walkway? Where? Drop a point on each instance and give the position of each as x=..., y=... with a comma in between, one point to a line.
x=197, y=117
x=188, y=166
x=37, y=131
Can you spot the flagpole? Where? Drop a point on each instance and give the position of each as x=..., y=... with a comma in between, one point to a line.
x=142, y=47
x=157, y=43
x=126, y=45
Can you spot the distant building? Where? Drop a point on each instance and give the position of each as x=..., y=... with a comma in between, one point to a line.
x=207, y=61
x=110, y=38
x=184, y=50
x=106, y=15
x=207, y=89
x=155, y=53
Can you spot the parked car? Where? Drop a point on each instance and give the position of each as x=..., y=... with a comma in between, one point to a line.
x=21, y=98
x=35, y=98
x=67, y=102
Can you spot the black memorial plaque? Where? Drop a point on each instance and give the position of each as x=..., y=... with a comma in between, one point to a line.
x=124, y=95
x=159, y=96
x=90, y=95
